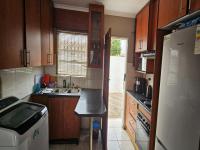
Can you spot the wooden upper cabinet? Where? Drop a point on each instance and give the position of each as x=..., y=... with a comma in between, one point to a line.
x=145, y=27
x=194, y=5
x=11, y=33
x=138, y=33
x=96, y=36
x=142, y=25
x=46, y=32
x=153, y=24
x=171, y=10
x=33, y=32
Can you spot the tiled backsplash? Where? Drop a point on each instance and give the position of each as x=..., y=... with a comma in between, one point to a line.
x=130, y=76
x=92, y=80
x=18, y=82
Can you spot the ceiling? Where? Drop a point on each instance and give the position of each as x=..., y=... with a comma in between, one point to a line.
x=124, y=8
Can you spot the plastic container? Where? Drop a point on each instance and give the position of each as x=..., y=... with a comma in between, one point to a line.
x=96, y=128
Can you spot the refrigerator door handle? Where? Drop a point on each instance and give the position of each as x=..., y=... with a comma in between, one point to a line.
x=199, y=143
x=161, y=144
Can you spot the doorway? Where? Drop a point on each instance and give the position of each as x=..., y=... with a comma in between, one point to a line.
x=118, y=139
x=118, y=52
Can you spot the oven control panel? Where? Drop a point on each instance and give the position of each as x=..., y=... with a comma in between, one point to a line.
x=144, y=122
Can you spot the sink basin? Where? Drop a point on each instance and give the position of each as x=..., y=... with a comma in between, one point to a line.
x=60, y=90
x=67, y=91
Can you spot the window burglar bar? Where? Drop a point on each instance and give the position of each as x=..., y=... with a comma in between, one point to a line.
x=72, y=54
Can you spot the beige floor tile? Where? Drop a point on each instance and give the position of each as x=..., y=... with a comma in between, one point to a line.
x=112, y=134
x=115, y=123
x=121, y=134
x=126, y=145
x=113, y=145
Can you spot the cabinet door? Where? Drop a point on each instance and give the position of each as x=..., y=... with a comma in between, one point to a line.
x=51, y=50
x=46, y=32
x=33, y=33
x=11, y=33
x=40, y=99
x=96, y=36
x=71, y=120
x=171, y=10
x=138, y=43
x=194, y=5
x=145, y=27
x=56, y=115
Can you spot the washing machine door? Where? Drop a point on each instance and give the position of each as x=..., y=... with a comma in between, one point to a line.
x=21, y=117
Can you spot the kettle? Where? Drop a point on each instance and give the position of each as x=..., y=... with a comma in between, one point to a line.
x=149, y=90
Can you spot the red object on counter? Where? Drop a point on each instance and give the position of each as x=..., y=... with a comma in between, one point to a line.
x=45, y=79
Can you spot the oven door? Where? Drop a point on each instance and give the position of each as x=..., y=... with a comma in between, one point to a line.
x=141, y=137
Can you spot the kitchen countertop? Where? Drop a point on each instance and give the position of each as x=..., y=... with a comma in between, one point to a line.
x=90, y=104
x=138, y=97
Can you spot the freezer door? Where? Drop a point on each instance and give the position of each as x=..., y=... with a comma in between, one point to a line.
x=178, y=125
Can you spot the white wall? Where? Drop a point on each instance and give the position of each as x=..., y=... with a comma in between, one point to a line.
x=117, y=70
x=18, y=82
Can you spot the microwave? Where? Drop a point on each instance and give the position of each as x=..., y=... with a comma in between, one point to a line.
x=142, y=64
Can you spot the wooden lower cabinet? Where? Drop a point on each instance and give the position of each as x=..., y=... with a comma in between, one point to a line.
x=132, y=109
x=64, y=124
x=131, y=116
x=194, y=5
x=41, y=99
x=72, y=121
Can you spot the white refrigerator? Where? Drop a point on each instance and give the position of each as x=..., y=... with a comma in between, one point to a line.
x=178, y=124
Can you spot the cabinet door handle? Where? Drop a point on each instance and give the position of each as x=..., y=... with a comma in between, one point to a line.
x=25, y=58
x=180, y=7
x=140, y=45
x=28, y=58
x=189, y=7
x=48, y=58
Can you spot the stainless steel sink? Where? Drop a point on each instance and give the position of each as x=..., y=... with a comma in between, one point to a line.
x=67, y=91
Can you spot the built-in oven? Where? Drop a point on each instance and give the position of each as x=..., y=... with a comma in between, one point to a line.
x=142, y=132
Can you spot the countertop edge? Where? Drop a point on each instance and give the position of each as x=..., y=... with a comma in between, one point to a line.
x=130, y=93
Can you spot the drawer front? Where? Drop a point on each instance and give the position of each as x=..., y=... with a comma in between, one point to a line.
x=131, y=126
x=133, y=109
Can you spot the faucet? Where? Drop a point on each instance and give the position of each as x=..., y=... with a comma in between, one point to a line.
x=70, y=81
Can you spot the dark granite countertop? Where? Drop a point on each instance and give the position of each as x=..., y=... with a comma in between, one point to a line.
x=90, y=104
x=140, y=100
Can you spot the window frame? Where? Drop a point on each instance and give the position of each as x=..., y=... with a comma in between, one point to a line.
x=56, y=47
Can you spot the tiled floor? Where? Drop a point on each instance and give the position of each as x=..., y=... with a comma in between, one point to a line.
x=117, y=139
x=117, y=136
x=115, y=105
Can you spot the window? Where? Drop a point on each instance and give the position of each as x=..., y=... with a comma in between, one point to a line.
x=72, y=54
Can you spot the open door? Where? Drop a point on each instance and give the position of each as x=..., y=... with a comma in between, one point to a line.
x=106, y=68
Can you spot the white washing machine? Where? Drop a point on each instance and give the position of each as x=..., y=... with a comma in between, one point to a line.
x=23, y=125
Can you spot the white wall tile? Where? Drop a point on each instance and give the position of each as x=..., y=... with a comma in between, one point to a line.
x=92, y=80
x=18, y=82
